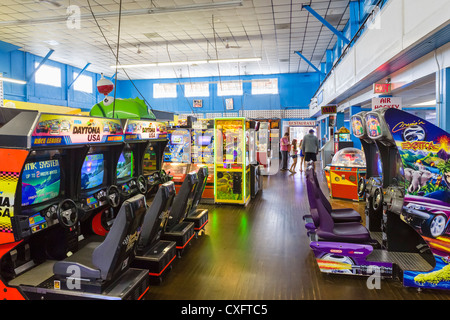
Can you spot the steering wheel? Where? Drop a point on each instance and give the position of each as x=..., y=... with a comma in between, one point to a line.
x=377, y=199
x=67, y=213
x=163, y=176
x=142, y=184
x=113, y=196
x=361, y=187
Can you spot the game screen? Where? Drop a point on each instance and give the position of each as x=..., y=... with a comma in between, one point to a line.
x=149, y=164
x=125, y=165
x=373, y=126
x=358, y=128
x=40, y=181
x=92, y=172
x=176, y=139
x=204, y=140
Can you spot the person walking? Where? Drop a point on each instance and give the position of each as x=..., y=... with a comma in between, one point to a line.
x=284, y=148
x=294, y=156
x=302, y=157
x=310, y=147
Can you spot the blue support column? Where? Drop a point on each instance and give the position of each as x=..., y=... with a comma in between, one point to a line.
x=339, y=120
x=356, y=142
x=354, y=18
x=330, y=60
x=443, y=99
x=326, y=24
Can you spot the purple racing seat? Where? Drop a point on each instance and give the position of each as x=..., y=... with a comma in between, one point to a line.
x=329, y=230
x=338, y=215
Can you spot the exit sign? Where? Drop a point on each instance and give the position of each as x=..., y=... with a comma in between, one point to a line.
x=382, y=88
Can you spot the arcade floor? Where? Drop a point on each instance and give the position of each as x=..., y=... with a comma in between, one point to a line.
x=261, y=252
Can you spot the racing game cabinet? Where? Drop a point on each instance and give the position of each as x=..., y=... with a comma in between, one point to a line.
x=152, y=253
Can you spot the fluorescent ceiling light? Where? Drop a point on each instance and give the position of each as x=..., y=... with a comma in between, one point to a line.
x=12, y=80
x=234, y=60
x=178, y=63
x=127, y=13
x=428, y=103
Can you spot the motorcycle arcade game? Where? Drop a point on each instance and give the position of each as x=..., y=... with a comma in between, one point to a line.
x=416, y=154
x=399, y=249
x=41, y=158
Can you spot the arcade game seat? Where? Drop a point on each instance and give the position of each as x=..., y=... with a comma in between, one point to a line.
x=98, y=270
x=176, y=228
x=152, y=253
x=198, y=216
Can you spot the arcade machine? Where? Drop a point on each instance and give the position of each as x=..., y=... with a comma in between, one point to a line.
x=252, y=128
x=372, y=180
x=231, y=172
x=145, y=142
x=263, y=147
x=40, y=221
x=177, y=155
x=203, y=154
x=347, y=168
x=342, y=139
x=413, y=154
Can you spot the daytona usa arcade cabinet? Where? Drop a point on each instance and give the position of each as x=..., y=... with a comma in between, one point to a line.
x=40, y=221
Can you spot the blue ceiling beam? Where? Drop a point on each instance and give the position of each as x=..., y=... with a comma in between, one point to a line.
x=41, y=64
x=326, y=23
x=309, y=62
x=78, y=75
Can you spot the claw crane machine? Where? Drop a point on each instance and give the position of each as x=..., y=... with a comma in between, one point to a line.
x=231, y=170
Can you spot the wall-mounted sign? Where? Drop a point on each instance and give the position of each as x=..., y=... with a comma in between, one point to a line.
x=391, y=102
x=384, y=88
x=329, y=109
x=302, y=123
x=229, y=103
x=198, y=103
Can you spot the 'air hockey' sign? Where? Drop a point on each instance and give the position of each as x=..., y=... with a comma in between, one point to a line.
x=388, y=102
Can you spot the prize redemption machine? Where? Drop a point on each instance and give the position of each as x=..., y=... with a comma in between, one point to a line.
x=231, y=172
x=412, y=242
x=145, y=142
x=203, y=155
x=342, y=139
x=347, y=167
x=41, y=257
x=177, y=155
x=252, y=128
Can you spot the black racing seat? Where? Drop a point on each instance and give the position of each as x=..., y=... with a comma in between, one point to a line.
x=176, y=228
x=102, y=262
x=194, y=214
x=156, y=217
x=152, y=253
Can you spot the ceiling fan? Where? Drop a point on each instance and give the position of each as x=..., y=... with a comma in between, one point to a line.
x=52, y=2
x=227, y=45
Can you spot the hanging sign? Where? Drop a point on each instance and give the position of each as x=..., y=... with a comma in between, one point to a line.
x=329, y=109
x=390, y=102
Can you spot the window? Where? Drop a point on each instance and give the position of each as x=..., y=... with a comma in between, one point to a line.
x=265, y=86
x=196, y=89
x=164, y=90
x=48, y=75
x=84, y=83
x=230, y=88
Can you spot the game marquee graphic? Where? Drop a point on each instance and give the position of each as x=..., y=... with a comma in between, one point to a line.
x=425, y=153
x=67, y=130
